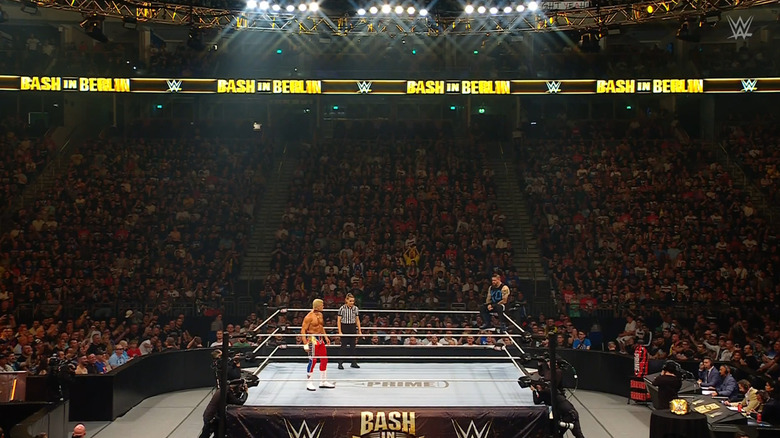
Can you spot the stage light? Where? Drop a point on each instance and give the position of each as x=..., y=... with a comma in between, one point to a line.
x=507, y=9
x=589, y=42
x=93, y=27
x=278, y=51
x=410, y=10
x=628, y=107
x=302, y=7
x=423, y=12
x=481, y=110
x=533, y=6
x=494, y=10
x=314, y=6
x=290, y=8
x=469, y=9
x=335, y=107
x=453, y=107
x=385, y=9
x=399, y=9
x=29, y=7
x=373, y=10
x=414, y=51
x=251, y=4
x=276, y=8
x=130, y=23
x=195, y=39
x=361, y=12
x=263, y=5
x=159, y=106
x=476, y=52
x=712, y=17
x=686, y=32
x=520, y=8
x=481, y=9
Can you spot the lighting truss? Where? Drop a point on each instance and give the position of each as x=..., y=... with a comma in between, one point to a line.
x=451, y=23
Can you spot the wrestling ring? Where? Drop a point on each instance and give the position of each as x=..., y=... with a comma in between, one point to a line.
x=398, y=391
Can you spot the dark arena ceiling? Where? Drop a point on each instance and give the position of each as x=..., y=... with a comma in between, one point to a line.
x=437, y=17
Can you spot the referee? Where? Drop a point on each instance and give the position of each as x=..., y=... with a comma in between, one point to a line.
x=348, y=322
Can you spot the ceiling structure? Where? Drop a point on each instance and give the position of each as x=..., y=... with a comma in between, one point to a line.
x=399, y=18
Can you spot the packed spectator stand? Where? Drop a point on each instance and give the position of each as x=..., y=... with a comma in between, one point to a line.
x=137, y=235
x=753, y=143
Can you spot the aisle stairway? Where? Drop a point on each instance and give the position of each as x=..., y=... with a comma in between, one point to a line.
x=518, y=220
x=518, y=225
x=268, y=217
x=741, y=179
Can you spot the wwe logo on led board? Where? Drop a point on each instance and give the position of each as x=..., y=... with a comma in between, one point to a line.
x=749, y=85
x=364, y=87
x=174, y=86
x=740, y=28
x=553, y=87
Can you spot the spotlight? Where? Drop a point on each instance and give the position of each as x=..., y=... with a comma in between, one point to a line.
x=469, y=9
x=276, y=8
x=385, y=9
x=481, y=9
x=533, y=6
x=520, y=8
x=686, y=32
x=494, y=10
x=93, y=27
x=423, y=12
x=410, y=10
x=290, y=8
x=263, y=5
x=711, y=18
x=251, y=4
x=302, y=7
x=650, y=9
x=195, y=39
x=29, y=7
x=589, y=42
x=130, y=23
x=507, y=9
x=314, y=6
x=361, y=12
x=399, y=9
x=373, y=10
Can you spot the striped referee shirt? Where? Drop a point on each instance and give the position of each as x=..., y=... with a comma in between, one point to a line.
x=348, y=314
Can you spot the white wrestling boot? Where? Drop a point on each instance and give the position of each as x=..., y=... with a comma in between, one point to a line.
x=324, y=382
x=310, y=385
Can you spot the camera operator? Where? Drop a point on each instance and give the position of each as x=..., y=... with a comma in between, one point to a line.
x=567, y=412
x=59, y=376
x=237, y=394
x=543, y=395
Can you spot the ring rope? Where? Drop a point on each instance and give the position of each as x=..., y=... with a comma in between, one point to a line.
x=270, y=335
x=266, y=320
x=392, y=380
x=360, y=346
x=263, y=364
x=419, y=329
x=431, y=358
x=469, y=312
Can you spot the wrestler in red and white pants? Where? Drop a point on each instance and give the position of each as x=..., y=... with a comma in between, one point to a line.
x=317, y=349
